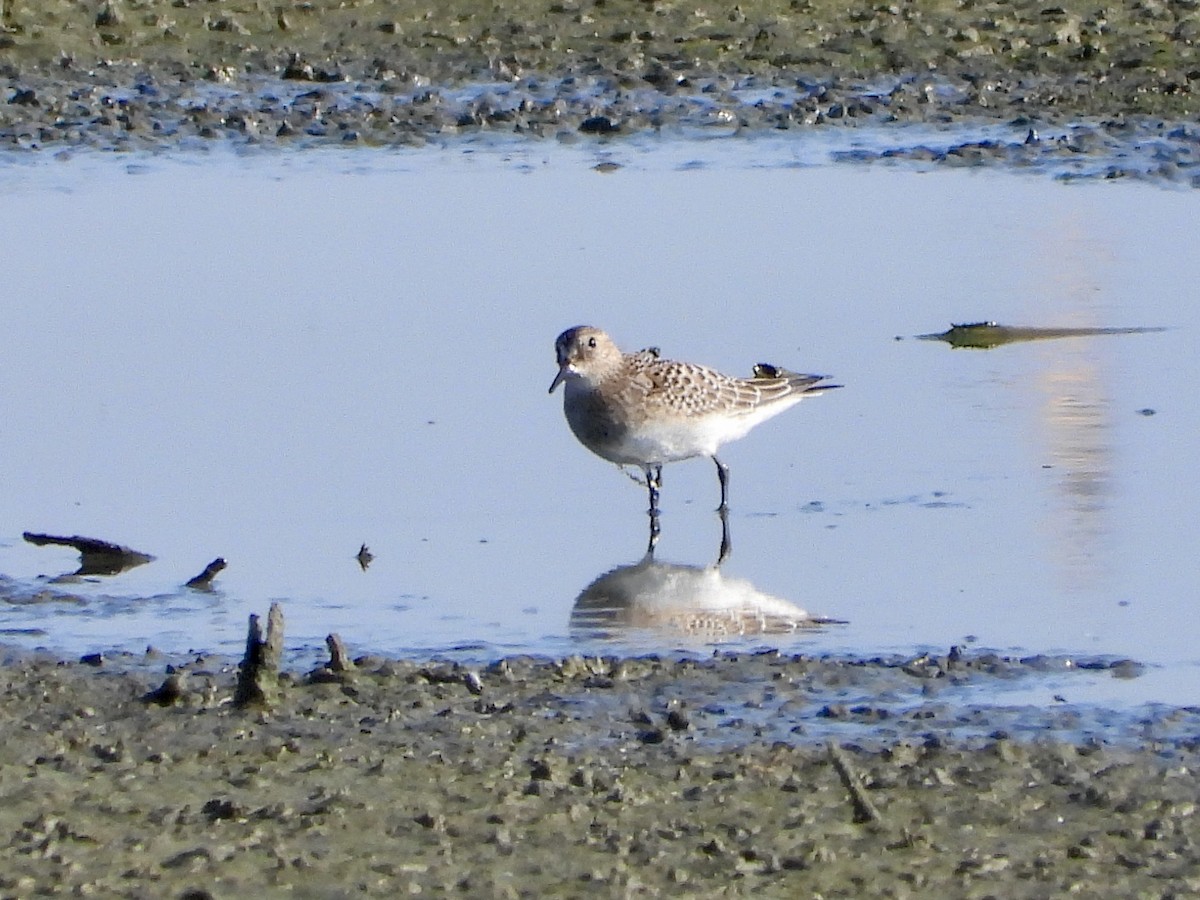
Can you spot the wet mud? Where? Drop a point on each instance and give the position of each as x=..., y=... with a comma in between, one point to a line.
x=1086, y=92
x=733, y=776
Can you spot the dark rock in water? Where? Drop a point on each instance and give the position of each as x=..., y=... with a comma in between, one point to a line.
x=678, y=720
x=599, y=125
x=652, y=736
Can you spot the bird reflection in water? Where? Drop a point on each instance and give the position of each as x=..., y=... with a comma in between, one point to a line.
x=699, y=602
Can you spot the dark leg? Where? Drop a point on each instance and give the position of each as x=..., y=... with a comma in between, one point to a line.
x=726, y=543
x=654, y=531
x=653, y=483
x=723, y=474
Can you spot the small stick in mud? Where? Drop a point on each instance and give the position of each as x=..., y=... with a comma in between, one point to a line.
x=204, y=581
x=864, y=809
x=258, y=675
x=339, y=659
x=97, y=557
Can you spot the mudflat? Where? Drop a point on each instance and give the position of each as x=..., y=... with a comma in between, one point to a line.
x=631, y=777
x=125, y=74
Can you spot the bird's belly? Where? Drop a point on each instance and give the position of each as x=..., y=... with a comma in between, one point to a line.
x=654, y=443
x=647, y=440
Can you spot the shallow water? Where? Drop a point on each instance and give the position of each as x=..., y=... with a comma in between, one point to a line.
x=275, y=358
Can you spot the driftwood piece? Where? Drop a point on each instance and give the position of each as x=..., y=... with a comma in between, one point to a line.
x=864, y=809
x=96, y=557
x=258, y=675
x=204, y=581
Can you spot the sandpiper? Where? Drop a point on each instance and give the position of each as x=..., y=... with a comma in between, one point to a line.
x=636, y=409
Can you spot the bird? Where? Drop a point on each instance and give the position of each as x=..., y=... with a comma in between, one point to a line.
x=638, y=409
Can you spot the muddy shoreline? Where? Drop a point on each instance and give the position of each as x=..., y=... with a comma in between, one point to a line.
x=1117, y=88
x=642, y=777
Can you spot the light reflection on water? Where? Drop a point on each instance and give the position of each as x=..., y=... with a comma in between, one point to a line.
x=275, y=359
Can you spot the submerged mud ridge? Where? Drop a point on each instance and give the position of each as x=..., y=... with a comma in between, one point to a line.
x=642, y=777
x=166, y=73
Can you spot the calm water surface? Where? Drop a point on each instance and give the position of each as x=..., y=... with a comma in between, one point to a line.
x=277, y=358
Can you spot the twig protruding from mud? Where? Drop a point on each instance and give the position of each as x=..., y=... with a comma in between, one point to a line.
x=340, y=667
x=864, y=809
x=339, y=659
x=258, y=675
x=204, y=581
x=96, y=557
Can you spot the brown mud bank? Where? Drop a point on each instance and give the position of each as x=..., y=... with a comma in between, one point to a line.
x=635, y=777
x=157, y=73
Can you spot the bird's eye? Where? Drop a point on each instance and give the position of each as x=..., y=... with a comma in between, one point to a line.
x=591, y=342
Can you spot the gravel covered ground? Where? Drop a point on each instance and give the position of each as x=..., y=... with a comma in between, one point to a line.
x=627, y=777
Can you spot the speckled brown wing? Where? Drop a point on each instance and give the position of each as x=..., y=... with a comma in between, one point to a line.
x=776, y=383
x=687, y=389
